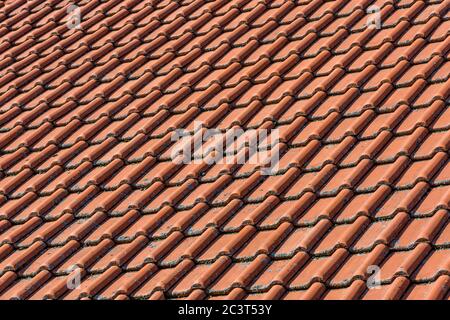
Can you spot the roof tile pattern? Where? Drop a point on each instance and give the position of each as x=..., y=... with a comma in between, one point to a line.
x=86, y=178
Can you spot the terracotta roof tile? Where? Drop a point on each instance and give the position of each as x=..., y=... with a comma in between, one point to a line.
x=89, y=188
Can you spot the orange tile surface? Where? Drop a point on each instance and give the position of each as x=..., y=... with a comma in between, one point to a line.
x=88, y=188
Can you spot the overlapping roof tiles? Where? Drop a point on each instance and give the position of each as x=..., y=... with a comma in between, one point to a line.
x=87, y=183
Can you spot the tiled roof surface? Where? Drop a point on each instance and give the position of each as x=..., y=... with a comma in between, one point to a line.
x=86, y=178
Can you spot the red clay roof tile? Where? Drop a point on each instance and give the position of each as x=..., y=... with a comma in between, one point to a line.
x=87, y=181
